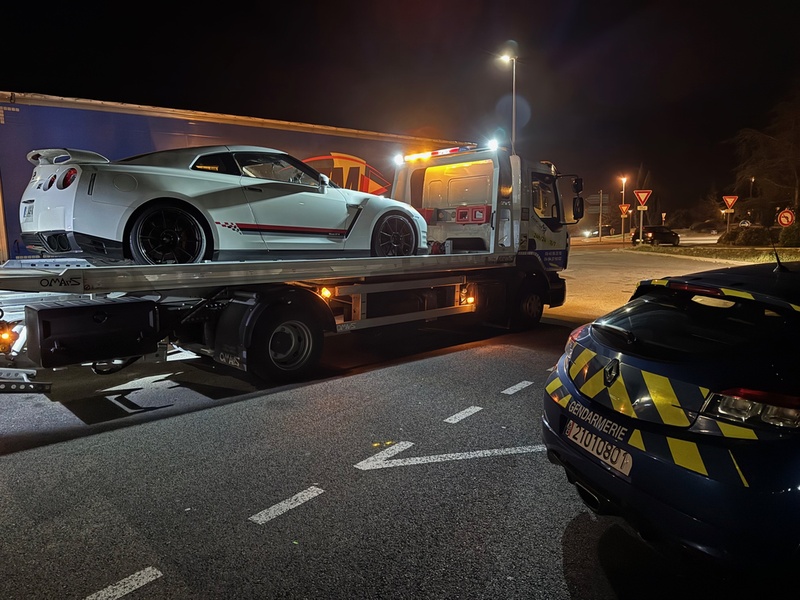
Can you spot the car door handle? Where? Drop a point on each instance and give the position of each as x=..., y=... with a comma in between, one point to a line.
x=254, y=189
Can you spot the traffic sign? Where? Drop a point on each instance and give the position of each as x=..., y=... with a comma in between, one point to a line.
x=642, y=195
x=623, y=208
x=785, y=217
x=730, y=200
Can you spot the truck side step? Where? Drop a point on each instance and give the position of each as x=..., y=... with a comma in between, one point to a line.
x=16, y=381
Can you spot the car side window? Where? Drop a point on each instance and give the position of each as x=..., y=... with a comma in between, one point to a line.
x=217, y=163
x=276, y=167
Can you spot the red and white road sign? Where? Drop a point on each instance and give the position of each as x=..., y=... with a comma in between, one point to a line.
x=642, y=195
x=623, y=208
x=785, y=217
x=730, y=200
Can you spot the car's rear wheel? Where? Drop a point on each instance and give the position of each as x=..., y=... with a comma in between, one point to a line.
x=167, y=234
x=394, y=235
x=287, y=343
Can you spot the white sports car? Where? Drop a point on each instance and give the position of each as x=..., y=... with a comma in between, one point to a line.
x=206, y=203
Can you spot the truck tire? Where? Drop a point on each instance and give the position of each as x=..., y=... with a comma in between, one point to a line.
x=394, y=235
x=167, y=234
x=286, y=344
x=527, y=310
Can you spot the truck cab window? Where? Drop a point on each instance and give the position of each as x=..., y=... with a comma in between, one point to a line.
x=543, y=199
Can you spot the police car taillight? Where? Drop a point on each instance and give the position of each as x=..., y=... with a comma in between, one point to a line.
x=752, y=406
x=695, y=289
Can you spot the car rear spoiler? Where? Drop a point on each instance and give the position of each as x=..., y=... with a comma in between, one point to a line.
x=61, y=156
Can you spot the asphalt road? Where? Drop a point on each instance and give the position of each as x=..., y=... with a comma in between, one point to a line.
x=412, y=468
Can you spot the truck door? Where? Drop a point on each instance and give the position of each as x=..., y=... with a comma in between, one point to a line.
x=292, y=210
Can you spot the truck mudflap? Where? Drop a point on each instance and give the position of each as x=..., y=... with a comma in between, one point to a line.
x=558, y=290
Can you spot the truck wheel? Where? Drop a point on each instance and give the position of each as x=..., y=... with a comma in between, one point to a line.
x=286, y=344
x=394, y=236
x=528, y=309
x=167, y=234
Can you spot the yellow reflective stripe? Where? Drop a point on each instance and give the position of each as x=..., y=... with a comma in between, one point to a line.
x=736, y=293
x=664, y=399
x=553, y=385
x=579, y=362
x=594, y=385
x=686, y=455
x=620, y=399
x=795, y=307
x=738, y=470
x=636, y=440
x=734, y=431
x=658, y=282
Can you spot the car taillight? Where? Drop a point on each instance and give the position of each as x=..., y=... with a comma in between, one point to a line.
x=748, y=406
x=70, y=175
x=49, y=183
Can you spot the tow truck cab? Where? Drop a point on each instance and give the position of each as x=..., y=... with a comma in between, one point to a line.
x=487, y=200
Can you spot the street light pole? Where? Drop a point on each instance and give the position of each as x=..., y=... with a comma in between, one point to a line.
x=513, y=61
x=624, y=179
x=600, y=218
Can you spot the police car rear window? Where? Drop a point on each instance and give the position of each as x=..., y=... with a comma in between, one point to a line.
x=667, y=324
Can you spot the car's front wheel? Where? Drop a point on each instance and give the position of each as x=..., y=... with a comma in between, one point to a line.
x=167, y=234
x=394, y=235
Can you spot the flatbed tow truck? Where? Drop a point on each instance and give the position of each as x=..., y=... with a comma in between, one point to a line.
x=498, y=229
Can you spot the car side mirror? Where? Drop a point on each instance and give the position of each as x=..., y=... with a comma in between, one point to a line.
x=324, y=182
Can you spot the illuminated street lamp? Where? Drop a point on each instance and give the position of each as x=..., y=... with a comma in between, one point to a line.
x=624, y=179
x=513, y=61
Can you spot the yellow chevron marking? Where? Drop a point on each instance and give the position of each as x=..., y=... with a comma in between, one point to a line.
x=795, y=307
x=579, y=362
x=554, y=384
x=594, y=385
x=658, y=282
x=686, y=455
x=620, y=399
x=736, y=293
x=664, y=399
x=636, y=440
x=565, y=400
x=738, y=470
x=735, y=431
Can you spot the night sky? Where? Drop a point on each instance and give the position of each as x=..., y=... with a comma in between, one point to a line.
x=604, y=89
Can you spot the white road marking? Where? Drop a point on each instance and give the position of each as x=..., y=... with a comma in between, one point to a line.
x=463, y=414
x=285, y=506
x=127, y=585
x=381, y=459
x=515, y=388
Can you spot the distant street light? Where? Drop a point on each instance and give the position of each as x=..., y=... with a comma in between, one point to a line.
x=624, y=179
x=513, y=61
x=752, y=179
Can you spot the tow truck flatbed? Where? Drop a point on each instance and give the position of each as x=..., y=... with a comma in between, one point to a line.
x=83, y=277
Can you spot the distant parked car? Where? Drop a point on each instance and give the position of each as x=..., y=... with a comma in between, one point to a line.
x=708, y=226
x=595, y=232
x=656, y=235
x=189, y=205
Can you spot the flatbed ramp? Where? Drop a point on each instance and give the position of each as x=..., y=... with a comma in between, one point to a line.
x=82, y=277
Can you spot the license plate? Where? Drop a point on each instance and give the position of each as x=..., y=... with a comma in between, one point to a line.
x=616, y=458
x=27, y=213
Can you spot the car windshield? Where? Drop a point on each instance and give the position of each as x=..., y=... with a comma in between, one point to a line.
x=669, y=324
